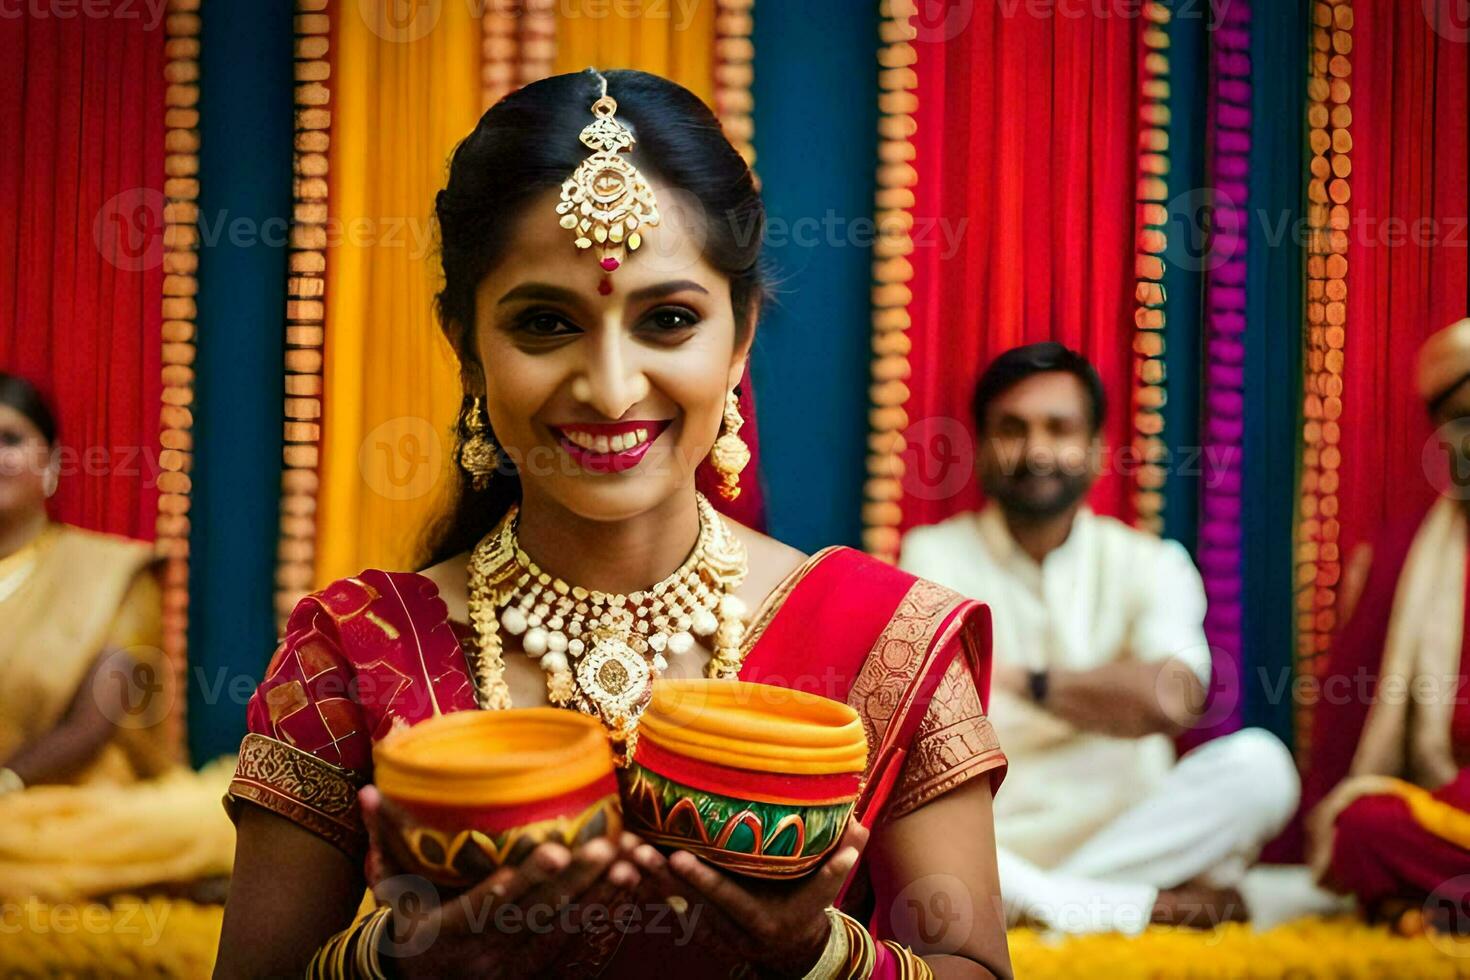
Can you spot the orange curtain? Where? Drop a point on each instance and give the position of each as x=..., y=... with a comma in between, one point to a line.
x=403, y=93
x=669, y=38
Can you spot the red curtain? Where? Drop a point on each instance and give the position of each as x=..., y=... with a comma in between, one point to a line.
x=1024, y=226
x=1409, y=248
x=81, y=246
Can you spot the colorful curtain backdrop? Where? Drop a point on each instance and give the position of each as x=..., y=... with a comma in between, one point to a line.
x=81, y=250
x=402, y=94
x=1223, y=433
x=1023, y=225
x=675, y=40
x=1408, y=246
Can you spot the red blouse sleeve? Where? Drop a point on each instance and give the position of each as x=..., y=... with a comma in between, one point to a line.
x=309, y=748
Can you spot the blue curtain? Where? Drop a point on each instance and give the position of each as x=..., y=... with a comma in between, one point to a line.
x=1273, y=365
x=246, y=122
x=1183, y=272
x=816, y=118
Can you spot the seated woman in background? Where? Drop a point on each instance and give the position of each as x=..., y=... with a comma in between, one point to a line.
x=77, y=606
x=596, y=378
x=84, y=697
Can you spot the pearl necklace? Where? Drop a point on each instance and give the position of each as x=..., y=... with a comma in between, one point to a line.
x=601, y=651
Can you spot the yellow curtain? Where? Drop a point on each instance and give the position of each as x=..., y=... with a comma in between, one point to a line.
x=673, y=38
x=404, y=92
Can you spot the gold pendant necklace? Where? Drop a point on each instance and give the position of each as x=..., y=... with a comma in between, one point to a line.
x=601, y=651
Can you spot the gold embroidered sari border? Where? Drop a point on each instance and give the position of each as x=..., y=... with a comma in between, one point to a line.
x=936, y=787
x=306, y=790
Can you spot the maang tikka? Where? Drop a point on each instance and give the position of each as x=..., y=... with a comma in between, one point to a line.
x=606, y=200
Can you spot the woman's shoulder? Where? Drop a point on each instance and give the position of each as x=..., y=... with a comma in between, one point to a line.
x=98, y=546
x=366, y=593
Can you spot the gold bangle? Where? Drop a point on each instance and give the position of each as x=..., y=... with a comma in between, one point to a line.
x=10, y=782
x=910, y=964
x=830, y=966
x=353, y=952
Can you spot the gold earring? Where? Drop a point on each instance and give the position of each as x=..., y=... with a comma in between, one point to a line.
x=729, y=455
x=477, y=453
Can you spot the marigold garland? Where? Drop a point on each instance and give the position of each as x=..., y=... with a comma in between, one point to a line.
x=305, y=308
x=1318, y=558
x=1150, y=392
x=892, y=271
x=180, y=313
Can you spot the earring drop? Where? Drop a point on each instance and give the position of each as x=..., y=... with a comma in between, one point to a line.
x=729, y=455
x=477, y=454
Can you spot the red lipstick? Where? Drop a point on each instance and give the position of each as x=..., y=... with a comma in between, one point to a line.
x=609, y=447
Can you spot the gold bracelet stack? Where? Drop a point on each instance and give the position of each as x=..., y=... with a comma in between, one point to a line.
x=353, y=952
x=851, y=953
x=910, y=964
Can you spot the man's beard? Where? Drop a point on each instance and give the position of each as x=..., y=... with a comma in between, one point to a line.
x=1020, y=499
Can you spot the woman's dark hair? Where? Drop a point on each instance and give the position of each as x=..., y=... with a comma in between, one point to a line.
x=18, y=393
x=1020, y=363
x=528, y=143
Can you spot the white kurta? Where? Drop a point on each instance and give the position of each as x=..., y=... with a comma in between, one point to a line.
x=1109, y=593
x=1091, y=827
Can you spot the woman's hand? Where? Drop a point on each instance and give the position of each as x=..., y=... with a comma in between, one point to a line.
x=516, y=923
x=780, y=927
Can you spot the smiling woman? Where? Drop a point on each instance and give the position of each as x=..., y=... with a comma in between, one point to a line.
x=602, y=322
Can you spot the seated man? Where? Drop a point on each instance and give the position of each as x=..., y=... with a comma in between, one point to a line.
x=1393, y=760
x=1100, y=660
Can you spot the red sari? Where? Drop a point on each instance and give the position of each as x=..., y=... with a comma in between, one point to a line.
x=377, y=651
x=1397, y=843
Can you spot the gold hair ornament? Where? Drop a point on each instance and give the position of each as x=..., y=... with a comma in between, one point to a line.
x=606, y=200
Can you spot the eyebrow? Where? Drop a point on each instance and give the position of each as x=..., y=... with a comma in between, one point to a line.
x=546, y=292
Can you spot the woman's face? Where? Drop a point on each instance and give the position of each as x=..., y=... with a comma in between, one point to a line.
x=25, y=464
x=606, y=402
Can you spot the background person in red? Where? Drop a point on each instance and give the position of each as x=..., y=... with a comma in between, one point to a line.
x=1392, y=731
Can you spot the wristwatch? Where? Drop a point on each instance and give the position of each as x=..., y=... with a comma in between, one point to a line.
x=1036, y=682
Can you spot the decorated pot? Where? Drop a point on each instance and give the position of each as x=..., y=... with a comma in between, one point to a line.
x=475, y=790
x=755, y=779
